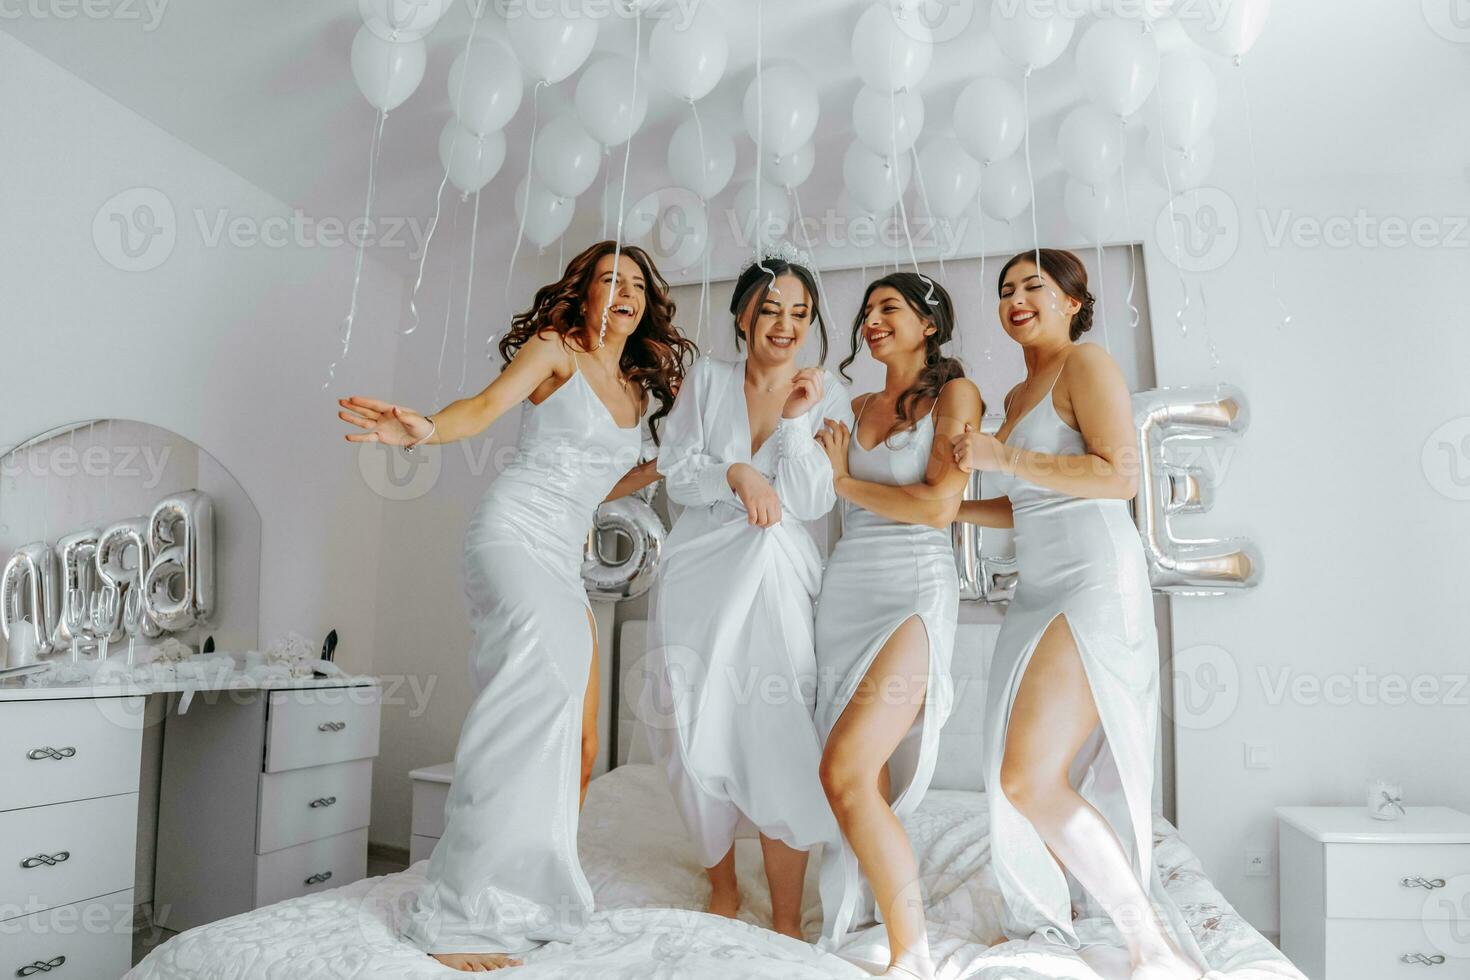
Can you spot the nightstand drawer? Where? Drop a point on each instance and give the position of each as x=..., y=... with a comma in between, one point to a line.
x=308, y=804
x=55, y=751
x=1369, y=949
x=319, y=726
x=311, y=867
x=86, y=941
x=56, y=855
x=1367, y=881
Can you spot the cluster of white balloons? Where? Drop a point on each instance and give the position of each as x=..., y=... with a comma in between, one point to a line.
x=388, y=53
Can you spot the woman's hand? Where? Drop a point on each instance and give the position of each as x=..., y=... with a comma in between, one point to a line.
x=392, y=425
x=806, y=390
x=834, y=437
x=762, y=506
x=978, y=451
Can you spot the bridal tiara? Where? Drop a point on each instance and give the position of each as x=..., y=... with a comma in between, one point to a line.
x=785, y=251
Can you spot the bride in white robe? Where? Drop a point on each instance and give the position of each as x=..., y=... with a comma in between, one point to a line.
x=731, y=663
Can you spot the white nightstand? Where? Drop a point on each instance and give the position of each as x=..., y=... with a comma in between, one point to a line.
x=1365, y=899
x=430, y=792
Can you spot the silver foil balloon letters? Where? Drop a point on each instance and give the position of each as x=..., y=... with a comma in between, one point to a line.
x=122, y=562
x=178, y=587
x=1178, y=431
x=610, y=577
x=28, y=597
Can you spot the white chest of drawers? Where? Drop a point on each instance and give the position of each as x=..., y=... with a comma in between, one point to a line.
x=1365, y=899
x=268, y=794
x=69, y=775
x=430, y=793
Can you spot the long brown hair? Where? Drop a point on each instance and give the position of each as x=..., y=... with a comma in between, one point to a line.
x=656, y=353
x=1070, y=275
x=931, y=302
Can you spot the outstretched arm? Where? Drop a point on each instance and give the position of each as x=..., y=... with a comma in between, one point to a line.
x=936, y=500
x=539, y=359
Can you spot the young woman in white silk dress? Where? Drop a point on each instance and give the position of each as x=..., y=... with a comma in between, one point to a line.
x=731, y=662
x=1073, y=695
x=887, y=611
x=505, y=876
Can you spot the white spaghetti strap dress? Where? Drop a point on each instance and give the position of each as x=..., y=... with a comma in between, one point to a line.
x=881, y=574
x=731, y=666
x=505, y=876
x=1080, y=558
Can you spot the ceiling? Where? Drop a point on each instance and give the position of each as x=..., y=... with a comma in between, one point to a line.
x=265, y=88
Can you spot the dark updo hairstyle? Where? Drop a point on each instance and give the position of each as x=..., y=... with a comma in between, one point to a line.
x=753, y=288
x=931, y=302
x=653, y=357
x=1068, y=272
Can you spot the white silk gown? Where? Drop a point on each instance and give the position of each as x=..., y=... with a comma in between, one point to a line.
x=881, y=574
x=731, y=670
x=1080, y=558
x=505, y=876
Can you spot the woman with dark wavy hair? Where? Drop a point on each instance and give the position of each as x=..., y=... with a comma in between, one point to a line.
x=594, y=348
x=732, y=611
x=1073, y=699
x=889, y=603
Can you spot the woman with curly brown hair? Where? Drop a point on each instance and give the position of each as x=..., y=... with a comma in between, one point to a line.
x=595, y=346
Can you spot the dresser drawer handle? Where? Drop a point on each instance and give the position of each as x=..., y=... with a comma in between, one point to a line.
x=322, y=801
x=50, y=860
x=47, y=752
x=1421, y=882
x=318, y=878
x=331, y=726
x=40, y=966
x=1434, y=960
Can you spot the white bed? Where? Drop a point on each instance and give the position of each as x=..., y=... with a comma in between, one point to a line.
x=649, y=886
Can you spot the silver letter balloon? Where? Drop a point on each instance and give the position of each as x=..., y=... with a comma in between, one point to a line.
x=608, y=577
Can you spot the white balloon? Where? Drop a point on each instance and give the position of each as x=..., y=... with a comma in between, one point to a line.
x=1186, y=169
x=1029, y=35
x=1005, y=189
x=990, y=119
x=607, y=103
x=567, y=158
x=706, y=176
x=887, y=122
x=386, y=72
x=1231, y=30
x=401, y=20
x=1118, y=64
x=551, y=43
x=1187, y=98
x=788, y=108
x=790, y=169
x=951, y=177
x=891, y=55
x=690, y=58
x=639, y=205
x=1096, y=211
x=547, y=215
x=876, y=182
x=472, y=161
x=769, y=225
x=680, y=233
x=1091, y=144
x=485, y=87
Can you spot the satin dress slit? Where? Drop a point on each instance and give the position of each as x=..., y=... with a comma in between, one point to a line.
x=505, y=876
x=1079, y=560
x=881, y=574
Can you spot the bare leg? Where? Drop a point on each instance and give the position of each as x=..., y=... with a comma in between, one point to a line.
x=724, y=890
x=1053, y=716
x=589, y=715
x=785, y=874
x=888, y=699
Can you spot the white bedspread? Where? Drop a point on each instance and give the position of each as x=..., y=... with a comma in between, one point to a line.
x=648, y=883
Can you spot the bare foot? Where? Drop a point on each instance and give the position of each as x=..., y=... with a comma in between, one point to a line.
x=726, y=903
x=476, y=962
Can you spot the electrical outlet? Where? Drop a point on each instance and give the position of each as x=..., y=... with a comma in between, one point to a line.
x=1259, y=756
x=1258, y=864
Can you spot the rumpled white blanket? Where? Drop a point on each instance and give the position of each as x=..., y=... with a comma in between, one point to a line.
x=648, y=883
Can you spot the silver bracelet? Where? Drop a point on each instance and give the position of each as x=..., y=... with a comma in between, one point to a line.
x=433, y=428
